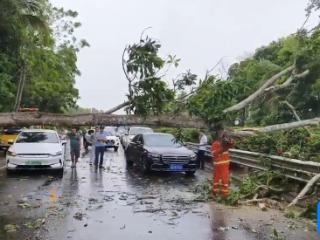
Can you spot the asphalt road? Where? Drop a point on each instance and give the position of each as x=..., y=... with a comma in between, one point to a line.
x=88, y=203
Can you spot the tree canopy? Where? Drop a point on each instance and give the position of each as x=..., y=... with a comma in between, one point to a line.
x=38, y=55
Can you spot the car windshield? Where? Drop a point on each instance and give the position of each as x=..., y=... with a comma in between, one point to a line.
x=161, y=141
x=110, y=131
x=10, y=131
x=139, y=130
x=121, y=129
x=37, y=137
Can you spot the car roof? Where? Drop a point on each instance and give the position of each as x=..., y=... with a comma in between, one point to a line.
x=156, y=133
x=39, y=130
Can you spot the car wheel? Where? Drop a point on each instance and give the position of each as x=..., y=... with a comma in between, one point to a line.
x=190, y=173
x=146, y=168
x=115, y=149
x=60, y=172
x=9, y=172
x=128, y=161
x=129, y=164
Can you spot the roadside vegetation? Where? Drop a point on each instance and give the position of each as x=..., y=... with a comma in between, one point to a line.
x=38, y=54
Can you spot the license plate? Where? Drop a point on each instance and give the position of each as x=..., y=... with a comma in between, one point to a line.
x=33, y=162
x=176, y=167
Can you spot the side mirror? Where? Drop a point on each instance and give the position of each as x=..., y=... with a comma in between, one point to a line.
x=63, y=142
x=10, y=142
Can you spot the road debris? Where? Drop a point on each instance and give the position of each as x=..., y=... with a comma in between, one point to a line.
x=78, y=216
x=262, y=206
x=9, y=228
x=35, y=224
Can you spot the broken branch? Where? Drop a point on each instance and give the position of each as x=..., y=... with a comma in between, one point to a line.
x=294, y=112
x=274, y=128
x=304, y=191
x=116, y=108
x=288, y=81
x=259, y=92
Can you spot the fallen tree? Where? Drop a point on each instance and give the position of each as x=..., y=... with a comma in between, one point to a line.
x=28, y=119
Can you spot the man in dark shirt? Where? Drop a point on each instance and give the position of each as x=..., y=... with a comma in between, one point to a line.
x=75, y=143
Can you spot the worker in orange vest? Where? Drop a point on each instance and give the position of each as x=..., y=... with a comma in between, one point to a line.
x=221, y=160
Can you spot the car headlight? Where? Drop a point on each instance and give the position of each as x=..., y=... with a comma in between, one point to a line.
x=56, y=154
x=11, y=153
x=154, y=155
x=193, y=157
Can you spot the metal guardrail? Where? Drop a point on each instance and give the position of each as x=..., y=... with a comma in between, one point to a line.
x=295, y=169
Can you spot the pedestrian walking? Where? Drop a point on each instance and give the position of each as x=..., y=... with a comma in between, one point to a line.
x=203, y=142
x=91, y=139
x=75, y=145
x=100, y=146
x=221, y=160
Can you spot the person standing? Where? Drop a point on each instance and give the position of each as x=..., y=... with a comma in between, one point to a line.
x=75, y=145
x=85, y=141
x=221, y=160
x=203, y=142
x=100, y=146
x=92, y=140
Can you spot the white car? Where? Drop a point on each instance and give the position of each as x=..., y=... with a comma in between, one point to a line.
x=112, y=140
x=36, y=149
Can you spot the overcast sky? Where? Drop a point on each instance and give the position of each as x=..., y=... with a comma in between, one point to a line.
x=199, y=32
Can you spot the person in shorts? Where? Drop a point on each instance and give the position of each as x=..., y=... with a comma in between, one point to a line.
x=75, y=143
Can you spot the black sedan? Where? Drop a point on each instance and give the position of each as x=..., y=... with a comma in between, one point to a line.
x=160, y=152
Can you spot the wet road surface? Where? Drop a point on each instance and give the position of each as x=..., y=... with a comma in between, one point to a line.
x=88, y=203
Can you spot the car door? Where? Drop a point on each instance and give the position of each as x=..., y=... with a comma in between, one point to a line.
x=132, y=148
x=139, y=148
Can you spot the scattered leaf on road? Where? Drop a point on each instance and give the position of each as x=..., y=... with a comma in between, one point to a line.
x=11, y=228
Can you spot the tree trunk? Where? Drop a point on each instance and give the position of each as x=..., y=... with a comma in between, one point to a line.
x=21, y=83
x=28, y=119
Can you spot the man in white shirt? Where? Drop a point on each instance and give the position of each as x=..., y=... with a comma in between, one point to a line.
x=201, y=151
x=91, y=139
